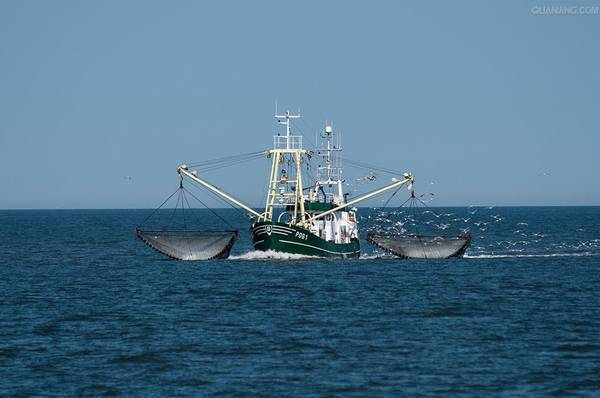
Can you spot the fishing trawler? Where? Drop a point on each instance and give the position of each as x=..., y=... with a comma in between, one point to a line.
x=313, y=218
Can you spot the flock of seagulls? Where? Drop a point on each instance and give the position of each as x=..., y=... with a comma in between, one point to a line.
x=398, y=220
x=514, y=237
x=480, y=221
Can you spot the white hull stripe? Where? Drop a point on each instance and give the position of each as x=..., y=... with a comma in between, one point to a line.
x=284, y=228
x=279, y=227
x=273, y=232
x=315, y=247
x=262, y=230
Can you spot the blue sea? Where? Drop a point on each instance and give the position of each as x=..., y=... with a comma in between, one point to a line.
x=88, y=310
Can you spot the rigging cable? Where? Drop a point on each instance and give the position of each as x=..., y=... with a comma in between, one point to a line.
x=218, y=197
x=190, y=207
x=163, y=203
x=229, y=164
x=371, y=167
x=305, y=136
x=210, y=209
x=225, y=159
x=175, y=208
x=396, y=191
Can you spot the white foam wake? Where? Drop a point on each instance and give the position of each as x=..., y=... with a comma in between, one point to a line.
x=369, y=256
x=375, y=256
x=585, y=254
x=269, y=255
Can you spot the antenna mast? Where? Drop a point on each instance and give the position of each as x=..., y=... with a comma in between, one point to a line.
x=285, y=120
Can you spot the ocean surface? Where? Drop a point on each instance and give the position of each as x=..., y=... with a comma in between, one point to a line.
x=86, y=309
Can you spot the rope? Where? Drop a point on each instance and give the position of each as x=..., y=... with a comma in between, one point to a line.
x=190, y=207
x=163, y=203
x=414, y=212
x=226, y=161
x=305, y=136
x=176, y=206
x=211, y=210
x=371, y=167
x=225, y=158
x=428, y=208
x=229, y=164
x=392, y=195
x=218, y=197
x=183, y=208
x=181, y=197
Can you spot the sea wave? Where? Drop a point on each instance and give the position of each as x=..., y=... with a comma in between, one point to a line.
x=269, y=255
x=584, y=254
x=375, y=256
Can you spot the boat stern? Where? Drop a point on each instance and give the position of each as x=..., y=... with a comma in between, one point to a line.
x=286, y=238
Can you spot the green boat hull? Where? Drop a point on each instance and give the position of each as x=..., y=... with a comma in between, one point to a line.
x=285, y=238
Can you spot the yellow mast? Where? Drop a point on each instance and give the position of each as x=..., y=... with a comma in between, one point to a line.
x=285, y=191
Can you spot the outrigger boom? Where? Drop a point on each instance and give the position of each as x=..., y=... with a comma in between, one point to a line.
x=408, y=179
x=321, y=222
x=183, y=169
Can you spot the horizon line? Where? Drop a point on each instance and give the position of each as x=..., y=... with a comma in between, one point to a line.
x=258, y=208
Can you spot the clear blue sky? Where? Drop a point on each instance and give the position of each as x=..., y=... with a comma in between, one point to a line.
x=490, y=102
